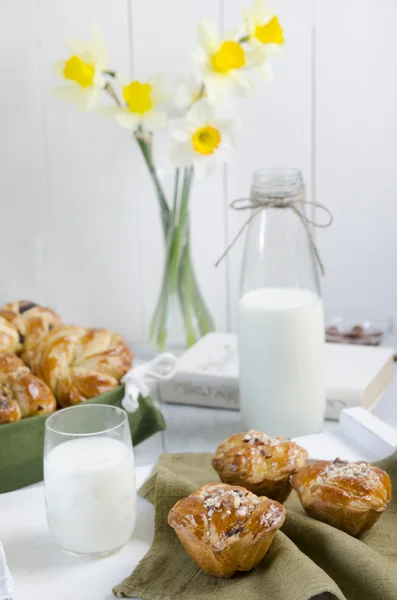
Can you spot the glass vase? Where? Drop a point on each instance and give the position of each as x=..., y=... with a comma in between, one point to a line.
x=281, y=323
x=181, y=316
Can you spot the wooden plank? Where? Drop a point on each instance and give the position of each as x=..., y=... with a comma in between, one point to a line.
x=356, y=151
x=277, y=120
x=92, y=247
x=22, y=182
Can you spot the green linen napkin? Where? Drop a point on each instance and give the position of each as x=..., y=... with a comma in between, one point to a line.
x=306, y=557
x=22, y=443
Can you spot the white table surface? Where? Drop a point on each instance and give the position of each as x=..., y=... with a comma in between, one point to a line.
x=44, y=572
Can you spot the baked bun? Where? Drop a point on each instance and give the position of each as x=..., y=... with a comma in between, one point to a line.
x=79, y=363
x=349, y=496
x=9, y=407
x=21, y=393
x=260, y=463
x=225, y=528
x=32, y=322
x=9, y=336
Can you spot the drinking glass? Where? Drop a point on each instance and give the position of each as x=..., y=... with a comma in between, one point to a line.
x=89, y=479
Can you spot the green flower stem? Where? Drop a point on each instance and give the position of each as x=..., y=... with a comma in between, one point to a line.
x=145, y=144
x=180, y=228
x=179, y=281
x=205, y=322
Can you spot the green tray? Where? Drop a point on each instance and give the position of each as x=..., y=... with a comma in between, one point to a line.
x=22, y=443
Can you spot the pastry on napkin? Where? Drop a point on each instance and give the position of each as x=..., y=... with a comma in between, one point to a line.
x=306, y=558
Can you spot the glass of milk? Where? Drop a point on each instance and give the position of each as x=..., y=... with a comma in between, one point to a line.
x=280, y=318
x=89, y=479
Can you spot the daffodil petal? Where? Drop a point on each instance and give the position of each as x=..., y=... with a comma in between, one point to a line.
x=181, y=129
x=216, y=86
x=204, y=167
x=58, y=67
x=121, y=115
x=109, y=112
x=240, y=83
x=99, y=80
x=208, y=36
x=160, y=88
x=127, y=119
x=201, y=112
x=266, y=70
x=98, y=47
x=83, y=99
x=183, y=96
x=223, y=154
x=181, y=154
x=87, y=99
x=154, y=119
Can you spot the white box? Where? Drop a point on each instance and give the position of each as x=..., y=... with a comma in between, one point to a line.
x=207, y=375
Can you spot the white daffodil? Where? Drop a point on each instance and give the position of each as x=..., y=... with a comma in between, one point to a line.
x=202, y=139
x=83, y=72
x=191, y=89
x=142, y=100
x=188, y=91
x=264, y=33
x=223, y=63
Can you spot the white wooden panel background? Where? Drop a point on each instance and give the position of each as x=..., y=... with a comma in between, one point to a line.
x=80, y=185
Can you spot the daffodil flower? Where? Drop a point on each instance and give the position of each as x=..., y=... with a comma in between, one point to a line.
x=224, y=63
x=191, y=89
x=82, y=72
x=141, y=103
x=188, y=91
x=264, y=33
x=202, y=139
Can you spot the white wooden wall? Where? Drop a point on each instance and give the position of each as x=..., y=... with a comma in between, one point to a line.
x=79, y=184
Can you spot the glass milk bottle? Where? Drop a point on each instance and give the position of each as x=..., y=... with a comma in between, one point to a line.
x=280, y=321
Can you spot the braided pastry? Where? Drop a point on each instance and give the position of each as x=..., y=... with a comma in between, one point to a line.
x=32, y=322
x=9, y=336
x=79, y=363
x=21, y=393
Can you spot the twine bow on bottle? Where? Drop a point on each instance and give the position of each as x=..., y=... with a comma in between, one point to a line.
x=296, y=202
x=161, y=368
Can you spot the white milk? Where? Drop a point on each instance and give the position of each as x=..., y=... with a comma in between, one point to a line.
x=90, y=494
x=281, y=357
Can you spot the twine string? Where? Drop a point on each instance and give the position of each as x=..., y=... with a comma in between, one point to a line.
x=258, y=202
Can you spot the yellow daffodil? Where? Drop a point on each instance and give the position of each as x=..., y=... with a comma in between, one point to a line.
x=223, y=63
x=141, y=103
x=202, y=139
x=82, y=72
x=264, y=33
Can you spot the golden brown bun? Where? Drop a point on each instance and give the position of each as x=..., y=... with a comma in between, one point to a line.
x=32, y=322
x=225, y=528
x=19, y=386
x=10, y=364
x=260, y=463
x=9, y=407
x=79, y=363
x=349, y=496
x=9, y=336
